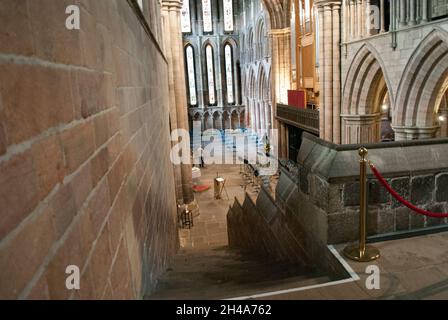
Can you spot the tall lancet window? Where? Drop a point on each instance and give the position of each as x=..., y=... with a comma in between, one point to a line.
x=191, y=75
x=185, y=17
x=207, y=15
x=210, y=74
x=229, y=74
x=228, y=15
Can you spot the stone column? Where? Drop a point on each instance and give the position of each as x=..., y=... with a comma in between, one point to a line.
x=322, y=68
x=367, y=24
x=403, y=13
x=281, y=68
x=281, y=43
x=424, y=10
x=412, y=16
x=172, y=9
x=352, y=19
x=360, y=21
x=443, y=112
x=414, y=133
x=362, y=128
x=383, y=24
x=336, y=13
x=172, y=100
x=328, y=70
x=347, y=20
x=330, y=106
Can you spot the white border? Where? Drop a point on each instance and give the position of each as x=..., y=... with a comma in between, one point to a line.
x=353, y=278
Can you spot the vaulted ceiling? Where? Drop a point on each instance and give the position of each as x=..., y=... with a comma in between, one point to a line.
x=279, y=11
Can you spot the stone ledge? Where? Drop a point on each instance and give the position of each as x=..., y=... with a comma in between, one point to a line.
x=340, y=163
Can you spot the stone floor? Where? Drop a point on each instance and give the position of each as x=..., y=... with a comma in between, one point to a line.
x=210, y=228
x=411, y=268
x=206, y=268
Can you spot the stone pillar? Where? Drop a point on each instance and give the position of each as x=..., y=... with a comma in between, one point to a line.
x=330, y=106
x=367, y=24
x=443, y=112
x=403, y=13
x=322, y=68
x=414, y=133
x=281, y=43
x=172, y=9
x=336, y=14
x=172, y=100
x=360, y=21
x=352, y=19
x=412, y=15
x=362, y=128
x=383, y=24
x=347, y=20
x=328, y=71
x=424, y=10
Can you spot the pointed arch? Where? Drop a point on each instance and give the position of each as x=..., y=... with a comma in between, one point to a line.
x=421, y=88
x=365, y=88
x=366, y=71
x=209, y=73
x=279, y=12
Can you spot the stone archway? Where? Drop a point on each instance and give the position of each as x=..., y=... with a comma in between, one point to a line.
x=217, y=121
x=364, y=91
x=198, y=117
x=226, y=121
x=235, y=120
x=422, y=88
x=208, y=121
x=279, y=12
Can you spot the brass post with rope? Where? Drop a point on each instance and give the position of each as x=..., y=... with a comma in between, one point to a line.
x=362, y=252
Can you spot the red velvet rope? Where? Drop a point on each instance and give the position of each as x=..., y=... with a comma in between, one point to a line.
x=400, y=199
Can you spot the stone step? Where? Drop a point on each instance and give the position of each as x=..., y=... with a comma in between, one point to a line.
x=223, y=273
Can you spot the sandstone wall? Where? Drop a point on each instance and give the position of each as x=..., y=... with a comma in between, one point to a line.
x=85, y=176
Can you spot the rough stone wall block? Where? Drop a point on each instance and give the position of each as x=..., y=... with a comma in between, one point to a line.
x=80, y=114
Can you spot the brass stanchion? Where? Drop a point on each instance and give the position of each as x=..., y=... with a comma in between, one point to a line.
x=362, y=252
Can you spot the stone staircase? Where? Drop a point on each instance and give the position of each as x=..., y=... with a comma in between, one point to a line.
x=223, y=273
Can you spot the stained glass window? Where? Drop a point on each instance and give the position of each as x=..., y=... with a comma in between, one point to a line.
x=228, y=15
x=185, y=17
x=210, y=74
x=229, y=74
x=207, y=15
x=191, y=76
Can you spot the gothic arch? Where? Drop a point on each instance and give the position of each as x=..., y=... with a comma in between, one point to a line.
x=260, y=34
x=250, y=45
x=208, y=121
x=365, y=87
x=217, y=120
x=226, y=120
x=424, y=80
x=251, y=115
x=366, y=71
x=279, y=12
x=206, y=92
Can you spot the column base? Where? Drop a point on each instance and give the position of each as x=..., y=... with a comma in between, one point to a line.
x=414, y=133
x=362, y=128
